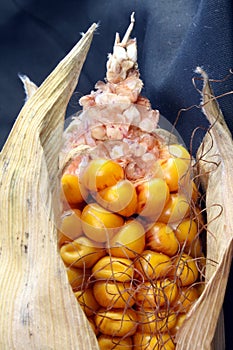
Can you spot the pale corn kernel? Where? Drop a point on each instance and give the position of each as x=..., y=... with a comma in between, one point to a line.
x=179, y=151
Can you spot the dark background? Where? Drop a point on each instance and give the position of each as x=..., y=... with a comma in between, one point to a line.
x=174, y=37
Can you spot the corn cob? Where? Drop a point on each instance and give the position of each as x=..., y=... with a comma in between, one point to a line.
x=130, y=230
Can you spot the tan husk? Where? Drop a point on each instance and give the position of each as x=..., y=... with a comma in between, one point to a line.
x=215, y=168
x=38, y=308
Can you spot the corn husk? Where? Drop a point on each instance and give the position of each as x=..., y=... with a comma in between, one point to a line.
x=214, y=166
x=38, y=308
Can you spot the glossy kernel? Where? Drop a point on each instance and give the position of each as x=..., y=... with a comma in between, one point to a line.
x=186, y=269
x=101, y=173
x=115, y=323
x=77, y=277
x=81, y=253
x=179, y=322
x=153, y=322
x=161, y=238
x=70, y=227
x=107, y=342
x=72, y=190
x=186, y=232
x=179, y=151
x=187, y=296
x=100, y=224
x=146, y=341
x=176, y=209
x=152, y=198
x=176, y=174
x=129, y=241
x=112, y=294
x=113, y=268
x=153, y=264
x=157, y=293
x=87, y=301
x=120, y=198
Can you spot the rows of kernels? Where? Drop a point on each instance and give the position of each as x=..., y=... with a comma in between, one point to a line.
x=139, y=271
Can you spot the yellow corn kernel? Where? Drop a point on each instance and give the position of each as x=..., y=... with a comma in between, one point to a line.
x=178, y=151
x=179, y=322
x=100, y=224
x=118, y=269
x=106, y=342
x=72, y=190
x=71, y=224
x=62, y=239
x=129, y=241
x=157, y=293
x=145, y=341
x=82, y=253
x=176, y=174
x=120, y=198
x=112, y=294
x=186, y=269
x=87, y=301
x=186, y=232
x=77, y=277
x=101, y=173
x=116, y=323
x=152, y=322
x=153, y=264
x=195, y=192
x=152, y=198
x=187, y=296
x=176, y=209
x=195, y=249
x=161, y=238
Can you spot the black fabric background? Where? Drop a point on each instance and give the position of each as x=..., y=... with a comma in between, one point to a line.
x=174, y=36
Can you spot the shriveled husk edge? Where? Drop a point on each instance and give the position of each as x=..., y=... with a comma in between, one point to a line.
x=204, y=326
x=38, y=308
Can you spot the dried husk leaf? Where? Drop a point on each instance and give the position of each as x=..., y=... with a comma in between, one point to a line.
x=38, y=307
x=215, y=169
